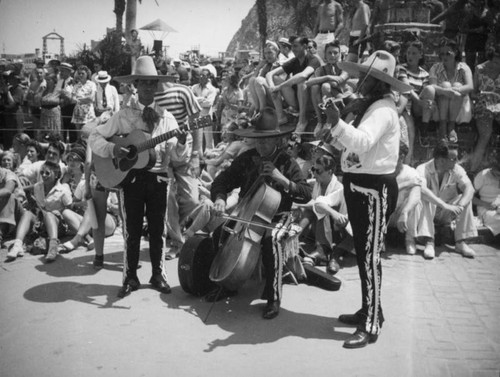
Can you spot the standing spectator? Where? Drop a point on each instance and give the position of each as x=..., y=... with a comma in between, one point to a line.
x=231, y=100
x=34, y=96
x=64, y=87
x=329, y=24
x=452, y=81
x=13, y=97
x=106, y=99
x=205, y=95
x=50, y=120
x=476, y=34
x=133, y=47
x=83, y=95
x=182, y=72
x=360, y=22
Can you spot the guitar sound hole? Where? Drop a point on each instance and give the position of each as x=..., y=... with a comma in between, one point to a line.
x=132, y=154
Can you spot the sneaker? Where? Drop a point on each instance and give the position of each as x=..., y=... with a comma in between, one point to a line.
x=15, y=250
x=465, y=250
x=452, y=136
x=429, y=252
x=411, y=246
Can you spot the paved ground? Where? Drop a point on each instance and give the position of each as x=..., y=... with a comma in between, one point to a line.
x=64, y=319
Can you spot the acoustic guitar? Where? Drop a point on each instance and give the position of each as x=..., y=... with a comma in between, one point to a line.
x=111, y=171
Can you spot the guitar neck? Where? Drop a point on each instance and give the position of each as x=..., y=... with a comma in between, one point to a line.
x=151, y=143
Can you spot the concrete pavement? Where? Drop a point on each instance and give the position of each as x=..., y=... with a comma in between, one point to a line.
x=63, y=319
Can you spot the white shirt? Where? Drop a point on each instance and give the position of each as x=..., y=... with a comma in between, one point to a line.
x=373, y=147
x=112, y=99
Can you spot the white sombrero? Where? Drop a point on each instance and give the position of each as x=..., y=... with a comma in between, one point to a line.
x=380, y=65
x=144, y=70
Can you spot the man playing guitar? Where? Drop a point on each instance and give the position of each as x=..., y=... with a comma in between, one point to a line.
x=143, y=192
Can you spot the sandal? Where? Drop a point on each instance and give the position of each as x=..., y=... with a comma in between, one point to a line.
x=452, y=136
x=67, y=247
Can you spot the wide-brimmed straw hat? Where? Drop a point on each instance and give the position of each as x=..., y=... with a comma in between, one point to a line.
x=380, y=65
x=265, y=125
x=103, y=77
x=144, y=70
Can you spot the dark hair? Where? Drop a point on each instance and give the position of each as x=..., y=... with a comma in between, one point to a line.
x=301, y=40
x=315, y=45
x=328, y=162
x=446, y=42
x=54, y=167
x=492, y=51
x=420, y=47
x=335, y=43
x=38, y=148
x=233, y=80
x=292, y=38
x=59, y=146
x=391, y=46
x=443, y=148
x=377, y=93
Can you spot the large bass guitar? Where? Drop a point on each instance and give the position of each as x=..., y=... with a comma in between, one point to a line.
x=112, y=171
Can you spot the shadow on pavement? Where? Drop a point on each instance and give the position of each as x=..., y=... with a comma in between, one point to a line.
x=243, y=318
x=70, y=291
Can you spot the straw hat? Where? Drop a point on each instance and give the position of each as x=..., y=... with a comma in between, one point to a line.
x=380, y=65
x=103, y=77
x=66, y=66
x=265, y=125
x=144, y=70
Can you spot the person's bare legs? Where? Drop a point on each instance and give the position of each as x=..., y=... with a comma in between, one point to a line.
x=484, y=131
x=303, y=96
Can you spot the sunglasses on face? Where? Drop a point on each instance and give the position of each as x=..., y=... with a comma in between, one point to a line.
x=317, y=171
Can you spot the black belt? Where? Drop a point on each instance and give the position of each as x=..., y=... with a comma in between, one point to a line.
x=326, y=31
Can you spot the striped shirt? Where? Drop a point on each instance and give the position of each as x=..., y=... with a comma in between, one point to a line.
x=417, y=80
x=180, y=101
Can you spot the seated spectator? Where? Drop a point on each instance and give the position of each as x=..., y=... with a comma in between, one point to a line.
x=34, y=151
x=285, y=53
x=328, y=80
x=452, y=81
x=8, y=161
x=234, y=147
x=301, y=153
x=11, y=199
x=487, y=106
x=51, y=198
x=294, y=89
x=54, y=152
x=447, y=195
x=19, y=146
x=421, y=97
x=487, y=185
x=326, y=212
x=409, y=186
x=257, y=85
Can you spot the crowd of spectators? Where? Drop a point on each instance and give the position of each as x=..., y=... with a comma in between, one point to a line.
x=49, y=192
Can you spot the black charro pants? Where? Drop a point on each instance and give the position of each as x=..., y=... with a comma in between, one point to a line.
x=370, y=201
x=144, y=193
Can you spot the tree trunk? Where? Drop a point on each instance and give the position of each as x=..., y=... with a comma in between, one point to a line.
x=119, y=10
x=131, y=15
x=262, y=19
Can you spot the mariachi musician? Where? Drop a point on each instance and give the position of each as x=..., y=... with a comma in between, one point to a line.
x=370, y=148
x=278, y=170
x=144, y=191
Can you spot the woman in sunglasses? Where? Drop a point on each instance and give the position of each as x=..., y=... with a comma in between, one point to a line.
x=51, y=198
x=452, y=80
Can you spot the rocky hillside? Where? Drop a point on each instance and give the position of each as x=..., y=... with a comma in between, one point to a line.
x=284, y=18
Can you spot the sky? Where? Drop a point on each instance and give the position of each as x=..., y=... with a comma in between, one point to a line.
x=210, y=24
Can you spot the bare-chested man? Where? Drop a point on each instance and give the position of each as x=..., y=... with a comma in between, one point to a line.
x=329, y=23
x=359, y=28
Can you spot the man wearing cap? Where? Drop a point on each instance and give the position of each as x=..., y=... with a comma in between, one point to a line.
x=143, y=192
x=183, y=73
x=329, y=23
x=107, y=99
x=285, y=50
x=370, y=149
x=278, y=170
